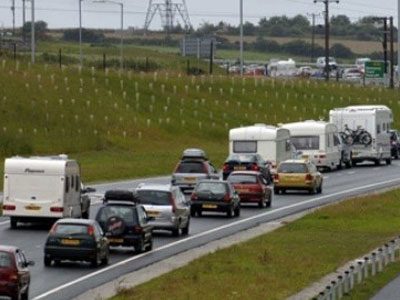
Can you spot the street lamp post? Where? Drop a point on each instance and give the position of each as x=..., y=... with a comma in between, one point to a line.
x=327, y=27
x=33, y=31
x=241, y=37
x=122, y=28
x=80, y=32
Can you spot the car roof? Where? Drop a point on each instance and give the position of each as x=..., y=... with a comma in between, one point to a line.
x=213, y=181
x=76, y=221
x=155, y=187
x=255, y=173
x=295, y=161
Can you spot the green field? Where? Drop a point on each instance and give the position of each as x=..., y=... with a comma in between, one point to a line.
x=282, y=263
x=126, y=124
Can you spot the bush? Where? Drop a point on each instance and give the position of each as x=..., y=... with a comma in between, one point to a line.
x=13, y=145
x=136, y=65
x=88, y=36
x=339, y=50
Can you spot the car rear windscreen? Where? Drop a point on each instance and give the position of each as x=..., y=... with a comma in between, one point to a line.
x=71, y=229
x=241, y=158
x=243, y=179
x=154, y=197
x=5, y=259
x=305, y=142
x=213, y=187
x=245, y=147
x=292, y=168
x=191, y=167
x=126, y=213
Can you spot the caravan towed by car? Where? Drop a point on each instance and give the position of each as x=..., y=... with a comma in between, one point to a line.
x=43, y=188
x=367, y=128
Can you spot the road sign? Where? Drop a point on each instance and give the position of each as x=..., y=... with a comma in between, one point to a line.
x=375, y=70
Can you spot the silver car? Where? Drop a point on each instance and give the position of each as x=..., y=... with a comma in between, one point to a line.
x=166, y=206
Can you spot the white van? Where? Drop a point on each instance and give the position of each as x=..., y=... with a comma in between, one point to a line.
x=367, y=128
x=272, y=143
x=315, y=140
x=43, y=188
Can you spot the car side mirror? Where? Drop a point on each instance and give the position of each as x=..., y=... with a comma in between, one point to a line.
x=88, y=190
x=29, y=263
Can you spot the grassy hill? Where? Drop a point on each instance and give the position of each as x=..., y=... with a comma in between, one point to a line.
x=124, y=124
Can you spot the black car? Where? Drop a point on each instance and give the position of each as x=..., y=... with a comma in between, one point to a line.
x=394, y=143
x=215, y=196
x=246, y=162
x=76, y=240
x=125, y=222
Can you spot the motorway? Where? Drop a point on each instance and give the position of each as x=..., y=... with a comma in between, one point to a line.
x=69, y=280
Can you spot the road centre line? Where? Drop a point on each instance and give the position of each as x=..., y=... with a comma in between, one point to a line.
x=123, y=262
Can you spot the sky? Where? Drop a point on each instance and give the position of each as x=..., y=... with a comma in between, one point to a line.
x=64, y=13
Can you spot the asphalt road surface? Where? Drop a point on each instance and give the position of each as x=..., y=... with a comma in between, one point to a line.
x=69, y=280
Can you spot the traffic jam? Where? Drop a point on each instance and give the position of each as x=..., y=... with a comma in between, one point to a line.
x=264, y=162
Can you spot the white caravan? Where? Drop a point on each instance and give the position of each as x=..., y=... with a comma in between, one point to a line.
x=315, y=140
x=272, y=143
x=367, y=128
x=40, y=188
x=280, y=68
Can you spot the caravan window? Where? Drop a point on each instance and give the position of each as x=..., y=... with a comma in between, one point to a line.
x=305, y=142
x=378, y=128
x=384, y=127
x=67, y=184
x=77, y=183
x=245, y=147
x=336, y=141
x=72, y=182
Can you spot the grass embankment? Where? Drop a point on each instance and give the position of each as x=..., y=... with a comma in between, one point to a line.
x=124, y=124
x=282, y=263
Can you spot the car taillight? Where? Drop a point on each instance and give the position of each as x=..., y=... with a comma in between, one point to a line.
x=172, y=202
x=53, y=229
x=8, y=207
x=227, y=198
x=194, y=196
x=13, y=277
x=276, y=177
x=323, y=156
x=90, y=230
x=225, y=168
x=137, y=229
x=255, y=167
x=205, y=168
x=309, y=177
x=57, y=209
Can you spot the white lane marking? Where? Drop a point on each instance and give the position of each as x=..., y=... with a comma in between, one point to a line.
x=351, y=172
x=325, y=177
x=123, y=262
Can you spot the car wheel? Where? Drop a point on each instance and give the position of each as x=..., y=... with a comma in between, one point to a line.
x=192, y=212
x=140, y=247
x=13, y=222
x=340, y=165
x=25, y=296
x=57, y=262
x=199, y=213
x=175, y=231
x=319, y=190
x=276, y=191
x=261, y=203
x=396, y=155
x=377, y=162
x=349, y=164
x=185, y=230
x=388, y=161
x=313, y=190
x=237, y=211
x=230, y=212
x=85, y=214
x=269, y=202
x=106, y=258
x=47, y=261
x=150, y=245
x=95, y=261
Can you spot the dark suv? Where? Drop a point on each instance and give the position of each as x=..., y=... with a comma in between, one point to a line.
x=124, y=222
x=246, y=162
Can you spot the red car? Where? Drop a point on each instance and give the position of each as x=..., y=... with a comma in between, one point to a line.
x=252, y=187
x=14, y=274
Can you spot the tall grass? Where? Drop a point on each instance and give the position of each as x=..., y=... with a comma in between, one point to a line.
x=140, y=122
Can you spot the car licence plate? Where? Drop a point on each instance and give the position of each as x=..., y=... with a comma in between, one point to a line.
x=116, y=241
x=33, y=207
x=152, y=214
x=242, y=190
x=190, y=179
x=305, y=156
x=70, y=242
x=210, y=206
x=239, y=168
